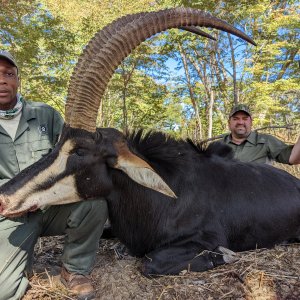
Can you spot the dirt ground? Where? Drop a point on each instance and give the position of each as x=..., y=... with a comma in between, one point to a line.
x=261, y=275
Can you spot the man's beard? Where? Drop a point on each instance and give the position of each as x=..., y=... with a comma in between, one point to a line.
x=241, y=132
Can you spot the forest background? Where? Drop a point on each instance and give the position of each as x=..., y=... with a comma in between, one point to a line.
x=176, y=81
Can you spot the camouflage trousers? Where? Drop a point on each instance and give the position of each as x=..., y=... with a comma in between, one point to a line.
x=81, y=223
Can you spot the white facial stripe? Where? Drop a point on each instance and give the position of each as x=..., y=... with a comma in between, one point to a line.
x=56, y=168
x=62, y=192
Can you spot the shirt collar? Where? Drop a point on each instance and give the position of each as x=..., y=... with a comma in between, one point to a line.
x=28, y=112
x=252, y=138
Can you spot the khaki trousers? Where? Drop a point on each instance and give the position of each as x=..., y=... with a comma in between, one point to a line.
x=81, y=223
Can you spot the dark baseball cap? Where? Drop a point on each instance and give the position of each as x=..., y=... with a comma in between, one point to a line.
x=6, y=55
x=240, y=107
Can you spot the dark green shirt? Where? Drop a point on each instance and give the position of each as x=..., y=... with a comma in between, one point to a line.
x=38, y=129
x=261, y=148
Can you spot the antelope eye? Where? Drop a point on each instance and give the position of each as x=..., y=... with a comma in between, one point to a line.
x=79, y=152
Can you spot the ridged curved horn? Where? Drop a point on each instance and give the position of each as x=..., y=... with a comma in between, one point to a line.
x=104, y=35
x=110, y=46
x=96, y=44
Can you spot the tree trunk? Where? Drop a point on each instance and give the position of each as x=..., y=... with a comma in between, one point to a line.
x=210, y=113
x=192, y=95
x=235, y=85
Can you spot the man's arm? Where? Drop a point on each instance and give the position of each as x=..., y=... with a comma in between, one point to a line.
x=295, y=154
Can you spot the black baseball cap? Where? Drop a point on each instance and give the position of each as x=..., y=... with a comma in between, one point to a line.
x=6, y=55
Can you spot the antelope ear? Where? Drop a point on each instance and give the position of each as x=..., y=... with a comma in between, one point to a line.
x=141, y=172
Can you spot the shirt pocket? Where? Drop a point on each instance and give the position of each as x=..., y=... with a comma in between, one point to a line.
x=40, y=149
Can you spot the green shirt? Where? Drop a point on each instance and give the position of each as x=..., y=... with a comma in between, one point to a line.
x=38, y=129
x=261, y=148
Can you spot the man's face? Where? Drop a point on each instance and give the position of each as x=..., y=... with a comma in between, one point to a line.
x=240, y=124
x=9, y=83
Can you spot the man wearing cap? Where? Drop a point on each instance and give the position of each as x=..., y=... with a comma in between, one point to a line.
x=251, y=146
x=28, y=131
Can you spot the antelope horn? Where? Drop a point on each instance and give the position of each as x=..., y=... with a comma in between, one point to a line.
x=115, y=42
x=89, y=52
x=103, y=36
x=94, y=45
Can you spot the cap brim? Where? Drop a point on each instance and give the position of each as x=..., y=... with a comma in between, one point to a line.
x=238, y=111
x=9, y=59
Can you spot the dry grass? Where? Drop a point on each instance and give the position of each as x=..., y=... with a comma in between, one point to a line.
x=257, y=275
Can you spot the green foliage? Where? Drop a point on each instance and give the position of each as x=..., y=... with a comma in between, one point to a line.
x=170, y=81
x=136, y=84
x=42, y=47
x=268, y=75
